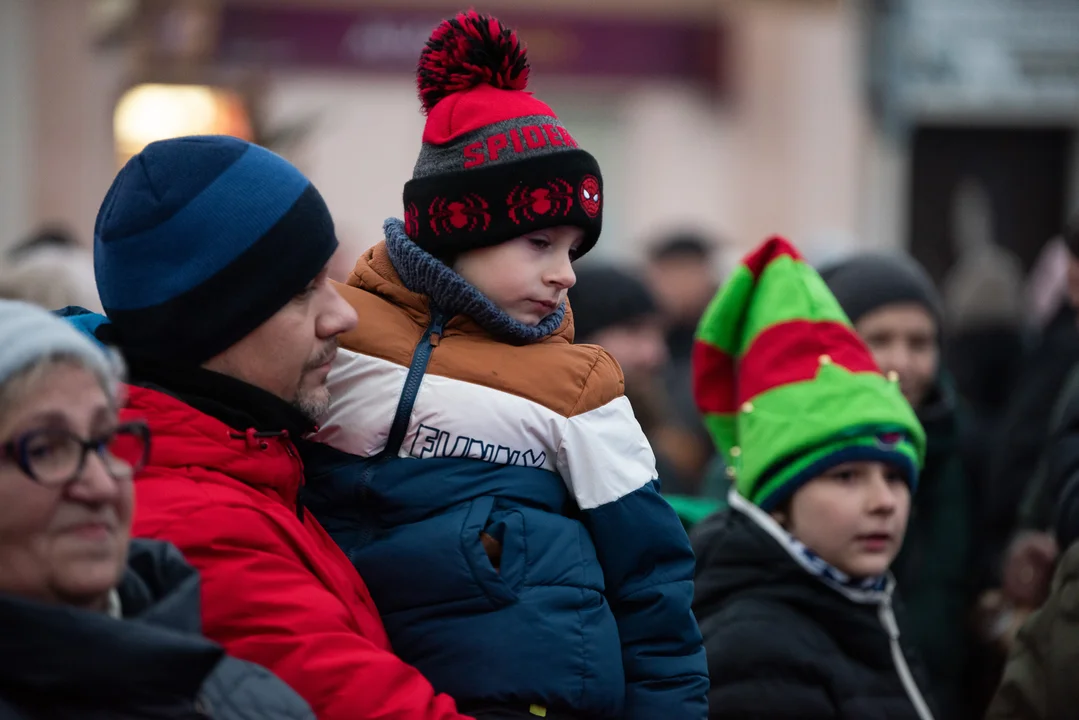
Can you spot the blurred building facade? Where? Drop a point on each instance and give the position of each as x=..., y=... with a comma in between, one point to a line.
x=816, y=118
x=977, y=104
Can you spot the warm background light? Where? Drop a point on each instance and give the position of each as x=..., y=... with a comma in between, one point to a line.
x=152, y=112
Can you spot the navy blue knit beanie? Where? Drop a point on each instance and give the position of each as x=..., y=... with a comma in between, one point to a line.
x=202, y=239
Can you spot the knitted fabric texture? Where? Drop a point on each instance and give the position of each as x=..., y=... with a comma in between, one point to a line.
x=202, y=239
x=452, y=295
x=30, y=334
x=496, y=163
x=787, y=388
x=869, y=281
x=607, y=297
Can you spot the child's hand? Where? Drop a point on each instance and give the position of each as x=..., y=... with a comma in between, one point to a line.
x=493, y=548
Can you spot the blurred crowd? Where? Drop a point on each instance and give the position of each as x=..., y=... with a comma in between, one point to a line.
x=481, y=476
x=990, y=361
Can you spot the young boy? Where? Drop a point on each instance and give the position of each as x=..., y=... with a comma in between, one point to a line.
x=793, y=592
x=485, y=475
x=896, y=311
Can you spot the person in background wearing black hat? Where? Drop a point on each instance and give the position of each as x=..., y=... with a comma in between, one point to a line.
x=614, y=309
x=896, y=310
x=681, y=273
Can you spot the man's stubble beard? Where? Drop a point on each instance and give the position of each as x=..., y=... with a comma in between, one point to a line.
x=313, y=403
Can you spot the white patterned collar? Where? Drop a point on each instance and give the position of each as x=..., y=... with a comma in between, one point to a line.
x=114, y=608
x=869, y=590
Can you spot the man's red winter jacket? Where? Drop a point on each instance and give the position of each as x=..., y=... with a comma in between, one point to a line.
x=275, y=590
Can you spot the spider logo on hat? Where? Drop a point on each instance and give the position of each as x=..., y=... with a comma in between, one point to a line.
x=554, y=199
x=412, y=220
x=470, y=213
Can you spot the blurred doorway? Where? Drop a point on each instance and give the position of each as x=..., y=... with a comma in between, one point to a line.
x=1022, y=174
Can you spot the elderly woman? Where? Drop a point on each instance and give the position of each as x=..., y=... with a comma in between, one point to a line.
x=93, y=625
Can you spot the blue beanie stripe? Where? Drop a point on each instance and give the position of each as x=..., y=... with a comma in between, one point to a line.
x=195, y=326
x=202, y=239
x=158, y=263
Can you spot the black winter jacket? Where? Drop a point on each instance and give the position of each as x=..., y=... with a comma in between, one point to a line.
x=782, y=643
x=1023, y=437
x=1050, y=499
x=61, y=663
x=934, y=572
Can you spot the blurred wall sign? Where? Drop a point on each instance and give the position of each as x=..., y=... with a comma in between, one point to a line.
x=384, y=41
x=977, y=58
x=390, y=40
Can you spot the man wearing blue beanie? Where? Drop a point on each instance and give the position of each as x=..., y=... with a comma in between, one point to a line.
x=211, y=260
x=206, y=228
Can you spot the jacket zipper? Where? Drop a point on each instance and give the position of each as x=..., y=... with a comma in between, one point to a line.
x=416, y=370
x=887, y=619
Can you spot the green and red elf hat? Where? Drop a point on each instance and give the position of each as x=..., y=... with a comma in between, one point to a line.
x=787, y=388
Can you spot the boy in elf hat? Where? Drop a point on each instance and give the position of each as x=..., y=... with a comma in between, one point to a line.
x=793, y=591
x=485, y=475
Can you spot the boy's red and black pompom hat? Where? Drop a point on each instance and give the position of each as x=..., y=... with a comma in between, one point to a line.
x=496, y=163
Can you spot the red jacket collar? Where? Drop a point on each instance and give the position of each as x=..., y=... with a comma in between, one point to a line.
x=182, y=436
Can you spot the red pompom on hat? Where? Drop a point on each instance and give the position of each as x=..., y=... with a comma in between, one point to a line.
x=496, y=162
x=467, y=51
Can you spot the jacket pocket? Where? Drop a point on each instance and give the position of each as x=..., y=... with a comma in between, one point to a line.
x=491, y=581
x=507, y=528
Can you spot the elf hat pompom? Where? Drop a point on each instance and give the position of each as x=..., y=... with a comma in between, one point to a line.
x=496, y=163
x=787, y=388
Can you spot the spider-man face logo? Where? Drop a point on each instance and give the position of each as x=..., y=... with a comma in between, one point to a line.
x=470, y=213
x=526, y=203
x=590, y=199
x=412, y=221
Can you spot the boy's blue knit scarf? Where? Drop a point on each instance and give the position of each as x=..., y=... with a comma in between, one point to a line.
x=450, y=293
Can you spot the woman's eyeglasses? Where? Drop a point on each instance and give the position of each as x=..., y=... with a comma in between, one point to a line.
x=56, y=457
